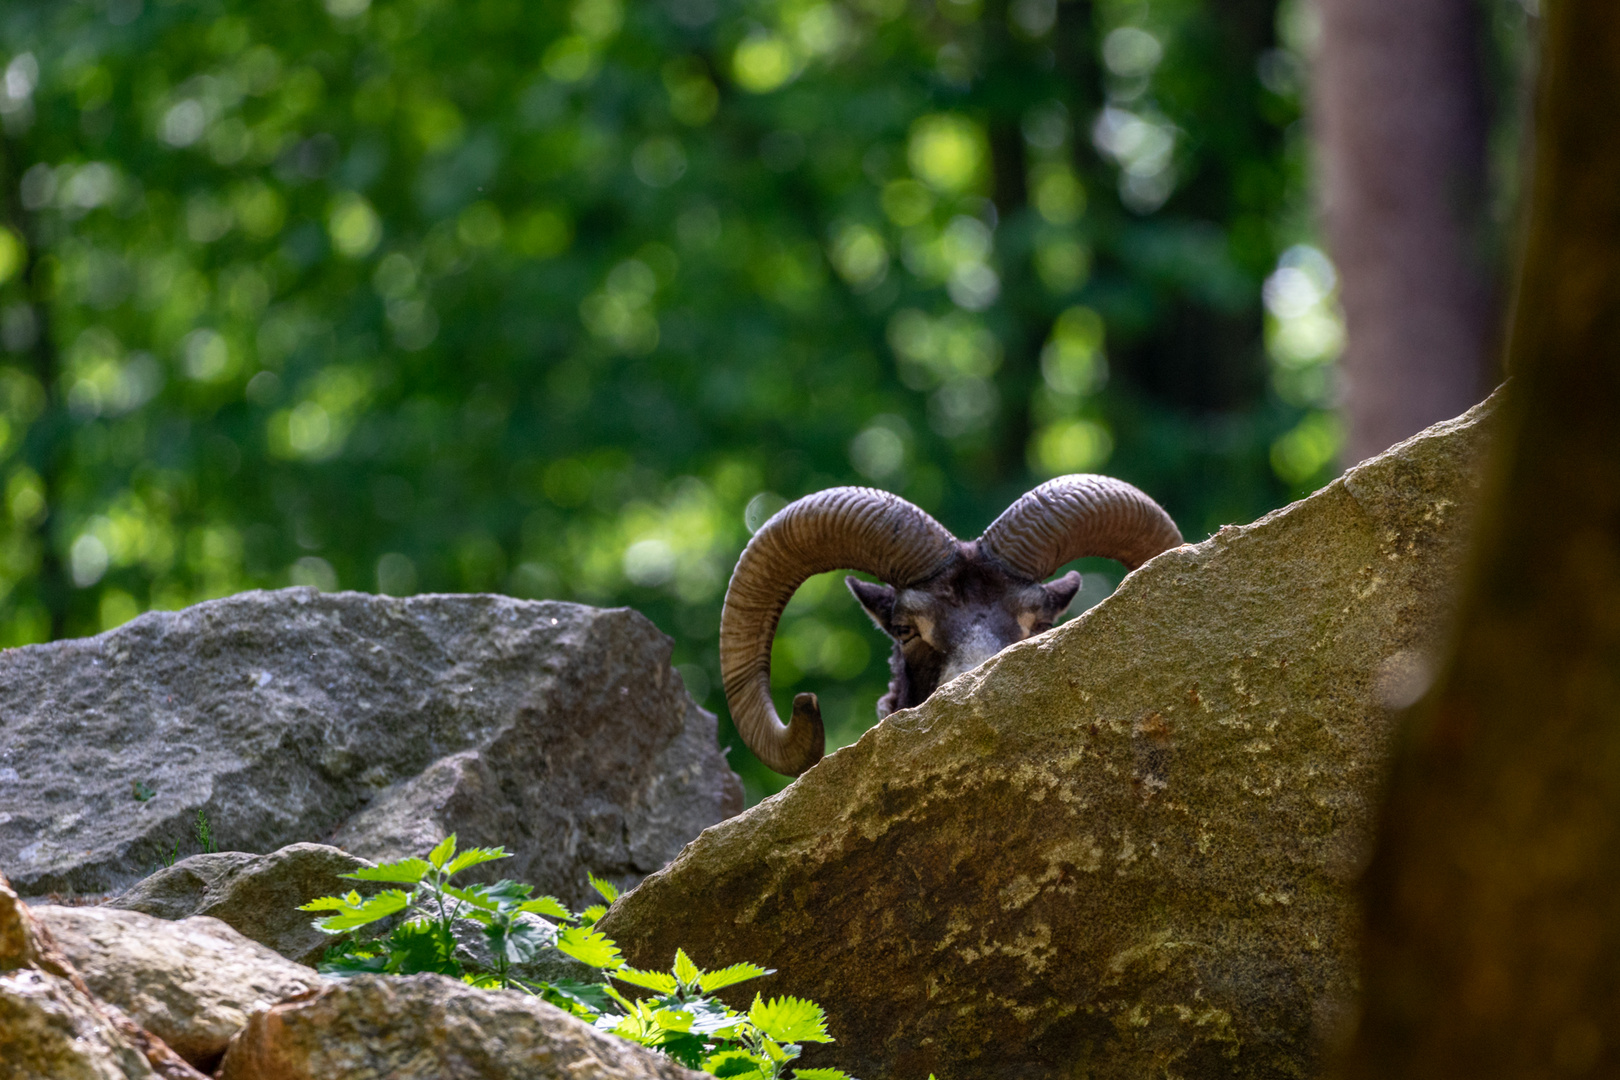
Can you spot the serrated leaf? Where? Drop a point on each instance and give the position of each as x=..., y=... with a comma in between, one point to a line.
x=609, y=891
x=403, y=872
x=790, y=1019
x=733, y=1063
x=591, y=996
x=476, y=895
x=826, y=1074
x=710, y=1016
x=546, y=905
x=661, y=981
x=730, y=976
x=422, y=946
x=521, y=942
x=673, y=1019
x=590, y=915
x=325, y=903
x=386, y=903
x=686, y=971
x=684, y=1048
x=475, y=857
x=589, y=947
x=443, y=852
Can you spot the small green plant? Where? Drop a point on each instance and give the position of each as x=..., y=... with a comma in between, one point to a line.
x=173, y=855
x=205, y=834
x=680, y=1017
x=143, y=791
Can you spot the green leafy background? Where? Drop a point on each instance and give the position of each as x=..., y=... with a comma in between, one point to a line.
x=561, y=300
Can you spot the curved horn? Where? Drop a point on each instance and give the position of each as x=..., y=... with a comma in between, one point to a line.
x=844, y=528
x=1075, y=516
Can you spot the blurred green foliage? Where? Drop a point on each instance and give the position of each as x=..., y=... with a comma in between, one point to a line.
x=561, y=300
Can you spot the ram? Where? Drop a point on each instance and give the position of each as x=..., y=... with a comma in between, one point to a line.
x=948, y=605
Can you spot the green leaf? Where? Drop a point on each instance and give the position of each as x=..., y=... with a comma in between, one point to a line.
x=790, y=1019
x=589, y=947
x=660, y=981
x=403, y=872
x=684, y=1048
x=686, y=971
x=328, y=903
x=475, y=857
x=673, y=1019
x=476, y=895
x=443, y=852
x=730, y=976
x=735, y=1063
x=590, y=996
x=547, y=905
x=826, y=1074
x=422, y=946
x=591, y=914
x=386, y=903
x=609, y=891
x=710, y=1016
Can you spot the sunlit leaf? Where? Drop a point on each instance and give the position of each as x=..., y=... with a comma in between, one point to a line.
x=386, y=903
x=730, y=976
x=661, y=981
x=790, y=1019
x=609, y=891
x=475, y=857
x=686, y=971
x=588, y=947
x=403, y=872
x=546, y=905
x=443, y=852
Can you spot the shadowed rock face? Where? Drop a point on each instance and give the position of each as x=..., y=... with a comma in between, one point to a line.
x=1122, y=848
x=556, y=729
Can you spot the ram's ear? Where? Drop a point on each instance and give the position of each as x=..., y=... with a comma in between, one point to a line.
x=878, y=600
x=1061, y=593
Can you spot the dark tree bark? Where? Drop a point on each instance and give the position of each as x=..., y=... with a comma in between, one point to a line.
x=1493, y=899
x=1400, y=120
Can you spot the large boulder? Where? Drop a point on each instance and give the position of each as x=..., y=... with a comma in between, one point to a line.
x=428, y=1027
x=1123, y=848
x=556, y=729
x=256, y=895
x=191, y=983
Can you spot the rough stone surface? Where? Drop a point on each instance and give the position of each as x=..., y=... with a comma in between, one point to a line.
x=52, y=1027
x=1123, y=848
x=556, y=729
x=257, y=895
x=428, y=1027
x=192, y=983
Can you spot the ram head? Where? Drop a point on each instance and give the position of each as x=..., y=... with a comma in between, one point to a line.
x=948, y=605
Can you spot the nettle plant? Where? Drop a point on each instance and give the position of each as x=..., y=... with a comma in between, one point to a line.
x=680, y=1016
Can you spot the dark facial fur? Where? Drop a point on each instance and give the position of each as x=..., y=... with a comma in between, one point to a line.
x=954, y=622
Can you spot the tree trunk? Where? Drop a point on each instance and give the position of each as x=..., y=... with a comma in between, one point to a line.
x=1400, y=120
x=1493, y=899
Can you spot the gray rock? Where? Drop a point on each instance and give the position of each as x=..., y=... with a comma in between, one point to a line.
x=428, y=1027
x=556, y=729
x=257, y=895
x=1125, y=847
x=192, y=983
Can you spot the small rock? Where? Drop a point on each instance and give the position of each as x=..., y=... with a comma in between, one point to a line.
x=428, y=1027
x=52, y=1027
x=1127, y=847
x=257, y=895
x=192, y=983
x=49, y=1031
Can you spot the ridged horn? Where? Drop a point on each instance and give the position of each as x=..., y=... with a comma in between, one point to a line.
x=845, y=528
x=1075, y=516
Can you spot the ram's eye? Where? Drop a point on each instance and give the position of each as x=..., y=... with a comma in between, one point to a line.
x=905, y=631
